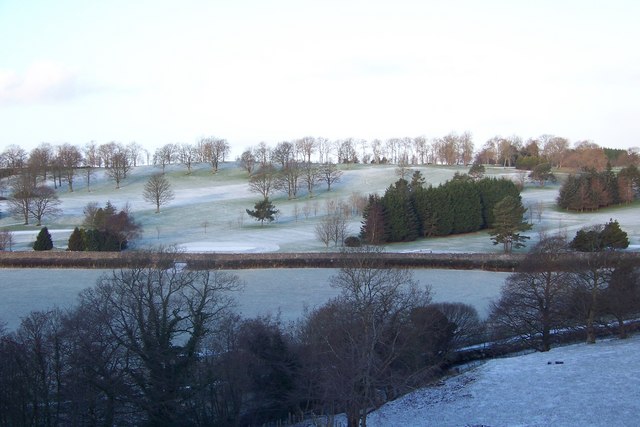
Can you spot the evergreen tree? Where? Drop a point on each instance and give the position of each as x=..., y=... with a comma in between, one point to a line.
x=76, y=240
x=600, y=237
x=571, y=195
x=400, y=216
x=417, y=181
x=509, y=214
x=43, y=241
x=542, y=173
x=466, y=206
x=374, y=230
x=476, y=172
x=94, y=240
x=263, y=211
x=492, y=190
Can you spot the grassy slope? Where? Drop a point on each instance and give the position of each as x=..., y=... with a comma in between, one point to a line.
x=220, y=200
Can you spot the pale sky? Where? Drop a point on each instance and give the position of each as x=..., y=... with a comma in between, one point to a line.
x=159, y=72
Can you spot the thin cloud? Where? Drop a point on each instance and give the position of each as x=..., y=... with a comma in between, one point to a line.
x=43, y=82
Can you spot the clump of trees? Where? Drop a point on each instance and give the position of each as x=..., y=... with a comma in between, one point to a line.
x=104, y=229
x=554, y=292
x=160, y=344
x=407, y=211
x=592, y=190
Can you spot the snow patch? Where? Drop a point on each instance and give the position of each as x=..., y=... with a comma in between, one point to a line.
x=228, y=247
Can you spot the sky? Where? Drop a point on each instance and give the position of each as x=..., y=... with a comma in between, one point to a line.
x=159, y=72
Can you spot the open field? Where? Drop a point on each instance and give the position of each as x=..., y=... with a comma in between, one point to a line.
x=207, y=215
x=208, y=212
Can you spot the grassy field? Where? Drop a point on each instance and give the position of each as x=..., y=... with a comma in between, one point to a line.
x=208, y=212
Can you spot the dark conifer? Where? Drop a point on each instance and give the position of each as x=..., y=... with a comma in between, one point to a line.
x=43, y=241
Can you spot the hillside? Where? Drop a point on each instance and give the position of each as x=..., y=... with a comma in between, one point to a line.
x=576, y=385
x=208, y=212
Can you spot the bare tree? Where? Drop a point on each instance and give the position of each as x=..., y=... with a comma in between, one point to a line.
x=40, y=160
x=330, y=174
x=306, y=146
x=533, y=300
x=13, y=157
x=70, y=159
x=158, y=191
x=118, y=166
x=247, y=161
x=6, y=240
x=289, y=178
x=160, y=317
x=324, y=146
x=358, y=337
x=283, y=154
x=263, y=181
x=262, y=153
x=403, y=169
x=135, y=152
x=214, y=150
x=165, y=155
x=187, y=155
x=91, y=155
x=44, y=202
x=310, y=177
x=332, y=228
x=21, y=197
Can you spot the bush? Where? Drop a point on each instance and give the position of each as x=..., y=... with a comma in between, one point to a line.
x=352, y=242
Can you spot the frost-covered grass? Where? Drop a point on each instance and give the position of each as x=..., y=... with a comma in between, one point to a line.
x=594, y=385
x=208, y=212
x=286, y=292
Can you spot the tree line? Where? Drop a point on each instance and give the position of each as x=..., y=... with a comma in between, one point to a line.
x=555, y=293
x=160, y=344
x=592, y=190
x=408, y=210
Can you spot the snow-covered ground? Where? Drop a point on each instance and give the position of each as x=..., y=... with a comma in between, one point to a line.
x=578, y=385
x=595, y=385
x=286, y=292
x=208, y=212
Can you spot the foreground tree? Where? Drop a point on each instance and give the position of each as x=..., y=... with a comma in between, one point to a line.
x=160, y=316
x=157, y=190
x=533, y=301
x=358, y=337
x=621, y=299
x=263, y=211
x=509, y=223
x=593, y=273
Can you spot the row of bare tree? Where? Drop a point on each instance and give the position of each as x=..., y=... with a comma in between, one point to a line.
x=558, y=292
x=160, y=344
